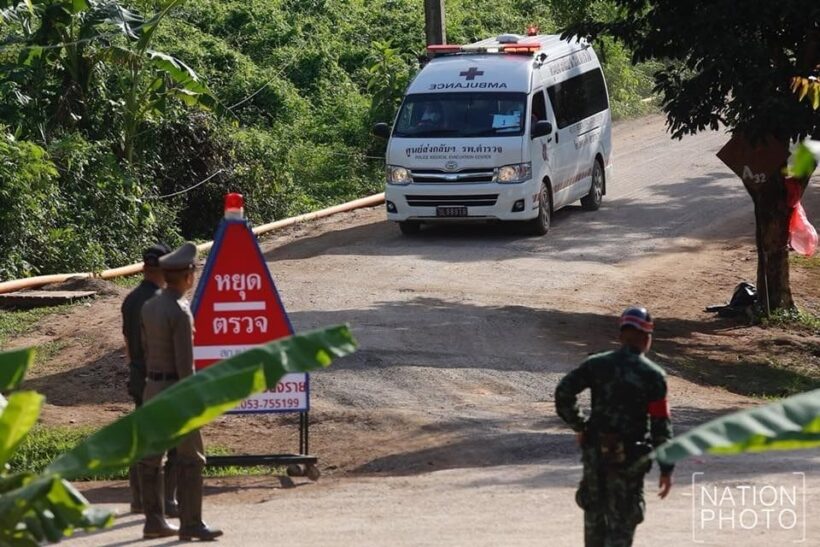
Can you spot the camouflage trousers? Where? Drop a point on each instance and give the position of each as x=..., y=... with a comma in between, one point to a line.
x=612, y=500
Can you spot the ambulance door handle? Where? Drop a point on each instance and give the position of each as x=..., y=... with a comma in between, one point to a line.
x=556, y=137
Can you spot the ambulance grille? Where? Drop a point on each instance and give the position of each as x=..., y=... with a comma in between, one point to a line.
x=474, y=200
x=436, y=176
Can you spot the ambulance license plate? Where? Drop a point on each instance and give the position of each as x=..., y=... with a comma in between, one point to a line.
x=452, y=211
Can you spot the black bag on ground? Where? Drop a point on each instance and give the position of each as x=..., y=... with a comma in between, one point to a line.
x=743, y=302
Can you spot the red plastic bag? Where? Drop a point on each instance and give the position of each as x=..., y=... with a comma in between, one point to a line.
x=802, y=235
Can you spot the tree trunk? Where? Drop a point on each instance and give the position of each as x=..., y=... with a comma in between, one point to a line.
x=772, y=214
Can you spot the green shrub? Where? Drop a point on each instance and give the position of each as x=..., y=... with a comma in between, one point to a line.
x=28, y=205
x=104, y=217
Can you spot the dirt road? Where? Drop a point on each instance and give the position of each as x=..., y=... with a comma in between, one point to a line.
x=440, y=430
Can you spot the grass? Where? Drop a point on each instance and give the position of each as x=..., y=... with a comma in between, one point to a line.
x=765, y=378
x=811, y=263
x=47, y=351
x=45, y=443
x=128, y=282
x=793, y=319
x=17, y=322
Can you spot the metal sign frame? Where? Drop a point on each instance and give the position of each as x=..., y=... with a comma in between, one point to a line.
x=300, y=463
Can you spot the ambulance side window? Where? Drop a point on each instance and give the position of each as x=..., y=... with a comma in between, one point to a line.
x=538, y=111
x=578, y=98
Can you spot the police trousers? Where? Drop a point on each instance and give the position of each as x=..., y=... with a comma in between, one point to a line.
x=190, y=458
x=612, y=499
x=136, y=388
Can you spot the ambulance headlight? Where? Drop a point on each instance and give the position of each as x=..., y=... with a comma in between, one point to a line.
x=398, y=175
x=514, y=173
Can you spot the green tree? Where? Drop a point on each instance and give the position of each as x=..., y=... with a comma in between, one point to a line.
x=67, y=49
x=730, y=64
x=388, y=76
x=27, y=202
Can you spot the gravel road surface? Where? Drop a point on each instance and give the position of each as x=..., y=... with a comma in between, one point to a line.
x=443, y=421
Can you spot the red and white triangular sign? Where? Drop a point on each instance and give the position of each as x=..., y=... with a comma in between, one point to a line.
x=237, y=307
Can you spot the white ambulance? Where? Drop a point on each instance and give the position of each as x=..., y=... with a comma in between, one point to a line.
x=511, y=128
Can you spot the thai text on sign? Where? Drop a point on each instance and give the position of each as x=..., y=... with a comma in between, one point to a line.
x=237, y=307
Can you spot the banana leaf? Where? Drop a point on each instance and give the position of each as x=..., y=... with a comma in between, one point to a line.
x=13, y=367
x=46, y=508
x=195, y=401
x=789, y=424
x=16, y=420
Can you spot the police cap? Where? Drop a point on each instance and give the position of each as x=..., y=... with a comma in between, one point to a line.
x=151, y=255
x=183, y=258
x=638, y=318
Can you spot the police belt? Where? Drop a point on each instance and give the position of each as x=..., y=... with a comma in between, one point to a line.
x=162, y=376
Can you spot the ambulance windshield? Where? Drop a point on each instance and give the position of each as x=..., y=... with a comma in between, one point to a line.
x=460, y=115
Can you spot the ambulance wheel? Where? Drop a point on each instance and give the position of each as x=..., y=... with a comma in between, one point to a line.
x=540, y=225
x=312, y=472
x=294, y=470
x=592, y=201
x=410, y=227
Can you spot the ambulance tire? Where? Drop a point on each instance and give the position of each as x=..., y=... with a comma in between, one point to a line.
x=540, y=225
x=410, y=227
x=592, y=201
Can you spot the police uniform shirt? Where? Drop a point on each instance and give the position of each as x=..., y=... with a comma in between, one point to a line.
x=131, y=313
x=167, y=326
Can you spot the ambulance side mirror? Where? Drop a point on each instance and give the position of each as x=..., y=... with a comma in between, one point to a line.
x=381, y=130
x=541, y=129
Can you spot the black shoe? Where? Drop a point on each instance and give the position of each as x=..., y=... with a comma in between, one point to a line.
x=159, y=530
x=201, y=532
x=172, y=509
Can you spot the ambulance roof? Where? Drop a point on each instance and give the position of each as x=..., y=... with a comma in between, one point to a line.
x=485, y=66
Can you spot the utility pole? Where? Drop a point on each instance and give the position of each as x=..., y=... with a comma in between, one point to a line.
x=434, y=22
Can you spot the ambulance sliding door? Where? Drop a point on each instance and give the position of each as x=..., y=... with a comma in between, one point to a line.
x=579, y=104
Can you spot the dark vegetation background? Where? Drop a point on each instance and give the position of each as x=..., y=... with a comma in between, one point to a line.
x=298, y=84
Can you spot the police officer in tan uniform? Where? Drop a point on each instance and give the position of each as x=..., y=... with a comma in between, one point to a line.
x=153, y=280
x=168, y=338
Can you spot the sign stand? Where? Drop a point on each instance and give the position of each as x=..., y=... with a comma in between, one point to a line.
x=236, y=307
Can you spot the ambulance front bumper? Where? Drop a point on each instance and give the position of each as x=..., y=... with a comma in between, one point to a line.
x=462, y=202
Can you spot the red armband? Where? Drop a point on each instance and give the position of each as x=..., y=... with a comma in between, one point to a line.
x=658, y=409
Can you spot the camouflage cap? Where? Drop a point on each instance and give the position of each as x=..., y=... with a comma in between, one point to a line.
x=182, y=258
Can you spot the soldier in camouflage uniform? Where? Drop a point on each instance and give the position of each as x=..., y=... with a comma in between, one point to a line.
x=629, y=415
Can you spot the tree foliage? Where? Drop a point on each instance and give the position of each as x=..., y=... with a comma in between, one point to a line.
x=725, y=63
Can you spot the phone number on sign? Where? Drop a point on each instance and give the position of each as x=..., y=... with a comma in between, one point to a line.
x=269, y=404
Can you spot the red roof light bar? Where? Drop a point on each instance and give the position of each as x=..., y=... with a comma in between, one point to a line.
x=444, y=48
x=521, y=48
